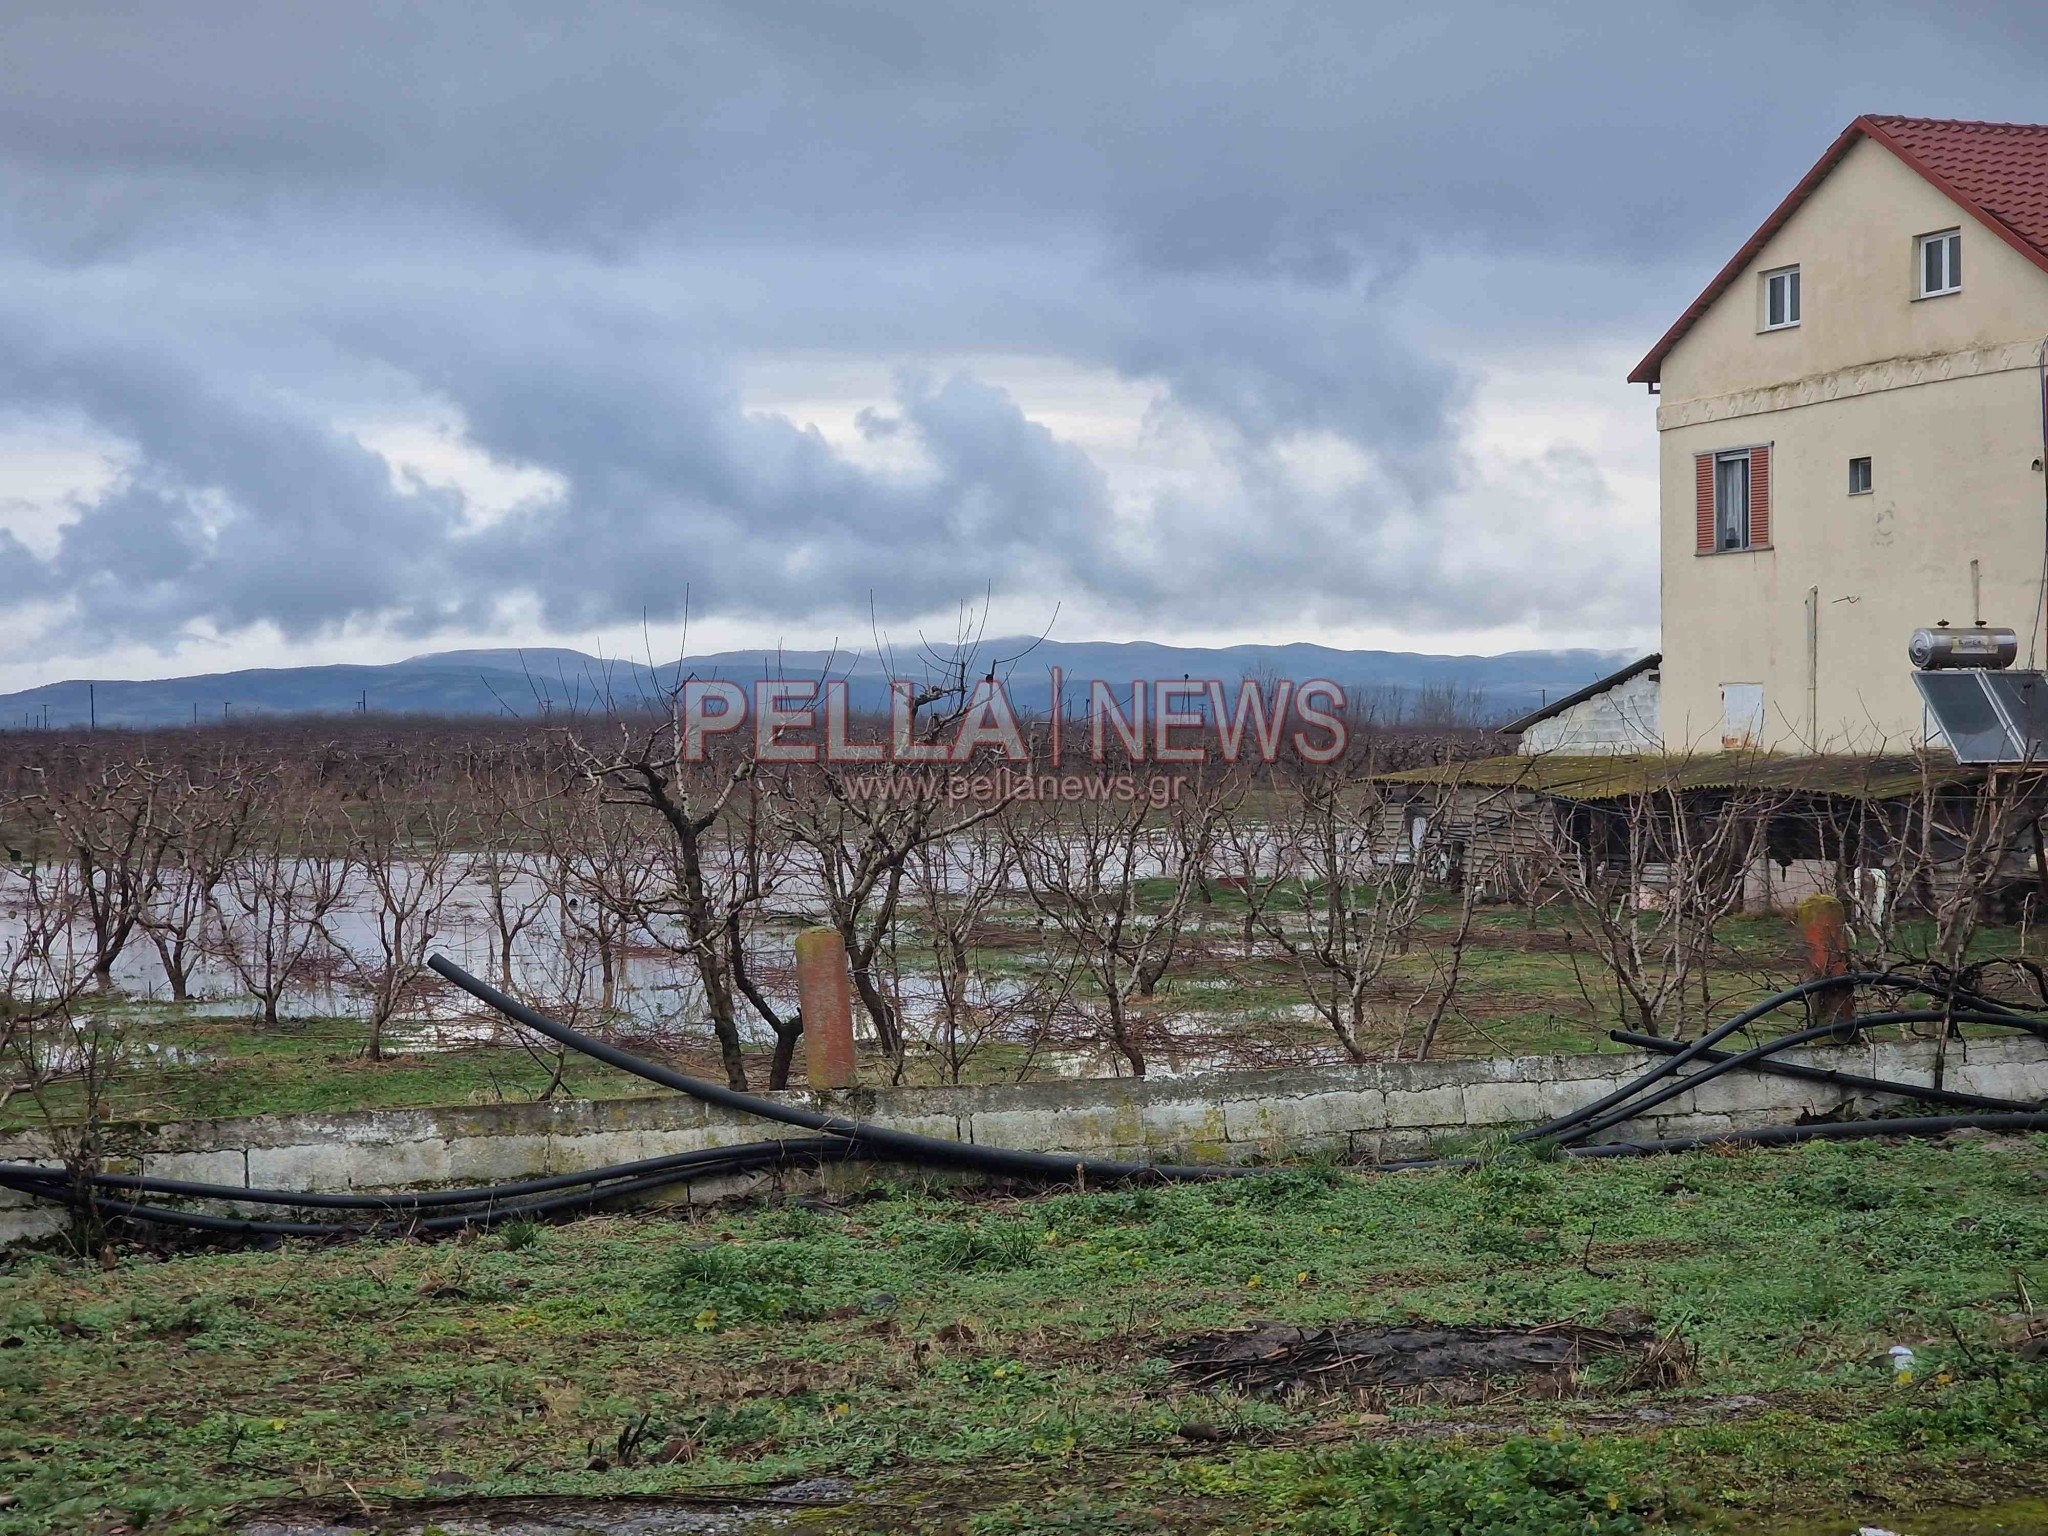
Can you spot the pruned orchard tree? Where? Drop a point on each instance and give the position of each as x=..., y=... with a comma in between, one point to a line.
x=657, y=771
x=858, y=818
x=44, y=968
x=207, y=817
x=109, y=819
x=950, y=892
x=402, y=845
x=277, y=898
x=1342, y=899
x=1086, y=865
x=510, y=806
x=1648, y=877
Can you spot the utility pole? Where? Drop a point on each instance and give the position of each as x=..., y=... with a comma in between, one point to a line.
x=92, y=706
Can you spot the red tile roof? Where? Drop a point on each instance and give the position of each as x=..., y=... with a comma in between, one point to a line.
x=1997, y=172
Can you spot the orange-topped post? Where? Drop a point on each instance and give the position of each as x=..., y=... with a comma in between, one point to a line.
x=1824, y=926
x=825, y=993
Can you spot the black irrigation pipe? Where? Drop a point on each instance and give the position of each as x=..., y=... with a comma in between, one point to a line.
x=1764, y=1135
x=844, y=1138
x=58, y=1188
x=1010, y=1162
x=675, y=1164
x=1583, y=1126
x=1821, y=1130
x=1557, y=1129
x=1851, y=1081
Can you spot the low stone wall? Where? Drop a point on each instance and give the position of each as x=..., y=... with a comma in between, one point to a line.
x=1364, y=1113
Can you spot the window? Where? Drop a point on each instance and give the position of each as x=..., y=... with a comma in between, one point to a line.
x=1731, y=501
x=1781, y=299
x=1941, y=263
x=1859, y=477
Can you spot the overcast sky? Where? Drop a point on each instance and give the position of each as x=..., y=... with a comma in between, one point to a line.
x=350, y=331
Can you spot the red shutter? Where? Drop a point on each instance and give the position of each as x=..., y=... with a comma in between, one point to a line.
x=1703, y=503
x=1760, y=498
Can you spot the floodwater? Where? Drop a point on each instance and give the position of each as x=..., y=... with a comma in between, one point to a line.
x=570, y=961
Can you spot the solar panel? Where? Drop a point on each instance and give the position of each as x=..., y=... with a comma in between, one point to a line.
x=2021, y=698
x=1968, y=720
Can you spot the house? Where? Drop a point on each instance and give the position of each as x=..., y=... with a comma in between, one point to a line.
x=1618, y=713
x=1852, y=427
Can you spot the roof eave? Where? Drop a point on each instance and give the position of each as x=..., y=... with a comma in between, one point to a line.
x=1649, y=369
x=1948, y=189
x=1579, y=696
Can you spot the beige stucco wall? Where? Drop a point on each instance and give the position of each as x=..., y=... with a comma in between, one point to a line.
x=1942, y=394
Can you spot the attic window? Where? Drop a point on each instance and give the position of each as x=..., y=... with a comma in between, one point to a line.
x=1781, y=299
x=1941, y=263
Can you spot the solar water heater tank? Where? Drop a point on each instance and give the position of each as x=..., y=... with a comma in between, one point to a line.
x=1980, y=645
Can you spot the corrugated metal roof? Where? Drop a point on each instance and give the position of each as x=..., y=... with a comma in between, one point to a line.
x=1623, y=775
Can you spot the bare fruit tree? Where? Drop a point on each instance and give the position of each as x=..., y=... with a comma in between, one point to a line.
x=505, y=865
x=1648, y=877
x=44, y=968
x=1115, y=880
x=951, y=893
x=652, y=770
x=109, y=819
x=207, y=818
x=401, y=845
x=277, y=898
x=1342, y=900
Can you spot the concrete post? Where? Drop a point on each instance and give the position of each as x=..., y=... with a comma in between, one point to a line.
x=825, y=993
x=1824, y=928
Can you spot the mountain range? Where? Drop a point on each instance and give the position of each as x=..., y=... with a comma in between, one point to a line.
x=553, y=682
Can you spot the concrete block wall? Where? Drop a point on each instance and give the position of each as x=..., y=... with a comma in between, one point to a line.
x=1623, y=719
x=1371, y=1112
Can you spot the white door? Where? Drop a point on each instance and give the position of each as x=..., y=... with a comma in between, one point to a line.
x=1742, y=715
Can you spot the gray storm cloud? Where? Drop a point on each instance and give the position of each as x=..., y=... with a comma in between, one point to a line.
x=229, y=231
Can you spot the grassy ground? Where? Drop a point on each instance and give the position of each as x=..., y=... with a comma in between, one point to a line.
x=1001, y=1366
x=241, y=1066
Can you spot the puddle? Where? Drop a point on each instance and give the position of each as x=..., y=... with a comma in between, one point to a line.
x=1283, y=1360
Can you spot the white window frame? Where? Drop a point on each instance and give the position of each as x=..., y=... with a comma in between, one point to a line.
x=1951, y=242
x=1723, y=515
x=1789, y=276
x=1869, y=475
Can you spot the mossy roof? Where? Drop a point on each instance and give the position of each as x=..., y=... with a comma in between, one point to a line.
x=1622, y=776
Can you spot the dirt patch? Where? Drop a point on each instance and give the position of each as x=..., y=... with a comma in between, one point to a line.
x=1283, y=1360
